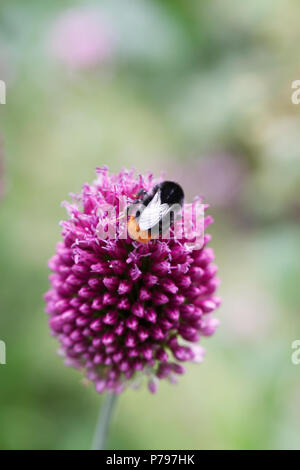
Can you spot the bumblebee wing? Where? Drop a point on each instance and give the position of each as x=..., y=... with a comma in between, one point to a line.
x=153, y=213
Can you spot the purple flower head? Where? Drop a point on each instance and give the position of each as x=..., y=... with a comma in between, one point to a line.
x=123, y=310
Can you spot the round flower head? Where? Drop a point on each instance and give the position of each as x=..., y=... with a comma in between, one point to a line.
x=123, y=310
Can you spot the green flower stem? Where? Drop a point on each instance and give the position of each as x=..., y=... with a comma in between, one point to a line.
x=105, y=415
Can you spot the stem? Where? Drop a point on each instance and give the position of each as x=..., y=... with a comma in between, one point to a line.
x=100, y=437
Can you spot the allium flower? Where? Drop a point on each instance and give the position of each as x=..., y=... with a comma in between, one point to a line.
x=123, y=310
x=81, y=39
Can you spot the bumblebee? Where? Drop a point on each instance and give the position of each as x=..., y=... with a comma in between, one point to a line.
x=151, y=215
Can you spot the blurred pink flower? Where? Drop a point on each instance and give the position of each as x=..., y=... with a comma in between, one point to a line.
x=219, y=176
x=81, y=38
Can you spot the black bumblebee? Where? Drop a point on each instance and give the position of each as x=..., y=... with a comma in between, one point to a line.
x=152, y=214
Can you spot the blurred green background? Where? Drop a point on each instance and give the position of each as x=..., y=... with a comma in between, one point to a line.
x=199, y=89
